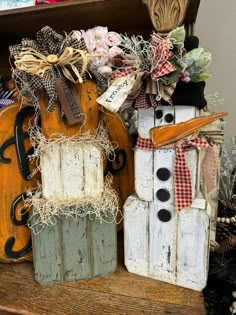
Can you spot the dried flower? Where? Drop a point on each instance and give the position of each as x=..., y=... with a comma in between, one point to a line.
x=105, y=71
x=100, y=57
x=113, y=39
x=102, y=44
x=100, y=33
x=89, y=39
x=114, y=51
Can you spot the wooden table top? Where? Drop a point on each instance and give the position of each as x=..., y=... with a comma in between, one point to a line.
x=119, y=294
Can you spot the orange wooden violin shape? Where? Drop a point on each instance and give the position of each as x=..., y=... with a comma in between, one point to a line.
x=15, y=169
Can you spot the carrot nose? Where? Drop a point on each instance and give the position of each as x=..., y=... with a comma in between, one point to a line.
x=164, y=135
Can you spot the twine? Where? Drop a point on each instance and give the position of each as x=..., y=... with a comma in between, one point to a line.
x=46, y=212
x=35, y=63
x=99, y=139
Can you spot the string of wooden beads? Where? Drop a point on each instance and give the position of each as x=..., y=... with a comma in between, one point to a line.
x=226, y=220
x=232, y=307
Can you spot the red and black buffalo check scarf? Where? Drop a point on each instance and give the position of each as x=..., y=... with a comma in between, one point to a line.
x=182, y=176
x=183, y=185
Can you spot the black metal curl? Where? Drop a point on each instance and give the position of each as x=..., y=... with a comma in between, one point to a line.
x=116, y=158
x=23, y=163
x=8, y=248
x=18, y=253
x=6, y=144
x=24, y=214
x=18, y=140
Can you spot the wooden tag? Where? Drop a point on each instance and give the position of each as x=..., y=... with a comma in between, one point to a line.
x=69, y=101
x=113, y=98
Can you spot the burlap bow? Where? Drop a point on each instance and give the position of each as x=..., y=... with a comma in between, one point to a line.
x=38, y=62
x=35, y=63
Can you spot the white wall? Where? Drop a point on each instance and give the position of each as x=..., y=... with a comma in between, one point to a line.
x=216, y=29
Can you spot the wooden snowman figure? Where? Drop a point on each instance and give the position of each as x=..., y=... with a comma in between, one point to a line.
x=167, y=220
x=161, y=242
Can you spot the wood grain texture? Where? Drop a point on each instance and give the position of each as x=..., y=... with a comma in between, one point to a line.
x=76, y=15
x=93, y=171
x=166, y=14
x=12, y=185
x=163, y=234
x=123, y=182
x=52, y=123
x=119, y=294
x=165, y=250
x=191, y=13
x=71, y=172
x=74, y=249
x=193, y=248
x=144, y=174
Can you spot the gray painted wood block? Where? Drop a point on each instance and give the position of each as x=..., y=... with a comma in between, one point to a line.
x=72, y=250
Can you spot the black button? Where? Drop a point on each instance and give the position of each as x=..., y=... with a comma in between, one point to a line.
x=164, y=215
x=169, y=118
x=158, y=113
x=163, y=195
x=163, y=173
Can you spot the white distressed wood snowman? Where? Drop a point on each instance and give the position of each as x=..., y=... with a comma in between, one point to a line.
x=161, y=242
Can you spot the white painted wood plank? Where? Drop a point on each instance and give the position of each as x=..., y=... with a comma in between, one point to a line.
x=144, y=174
x=165, y=111
x=136, y=243
x=172, y=250
x=184, y=113
x=72, y=171
x=164, y=158
x=145, y=122
x=93, y=171
x=162, y=245
x=192, y=249
x=163, y=234
x=50, y=164
x=193, y=224
x=144, y=158
x=199, y=203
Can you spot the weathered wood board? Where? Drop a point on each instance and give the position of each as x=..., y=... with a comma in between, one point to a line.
x=74, y=249
x=123, y=179
x=15, y=168
x=173, y=248
x=72, y=172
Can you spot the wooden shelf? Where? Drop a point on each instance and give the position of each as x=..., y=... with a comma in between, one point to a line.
x=118, y=15
x=120, y=293
x=123, y=16
x=126, y=16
